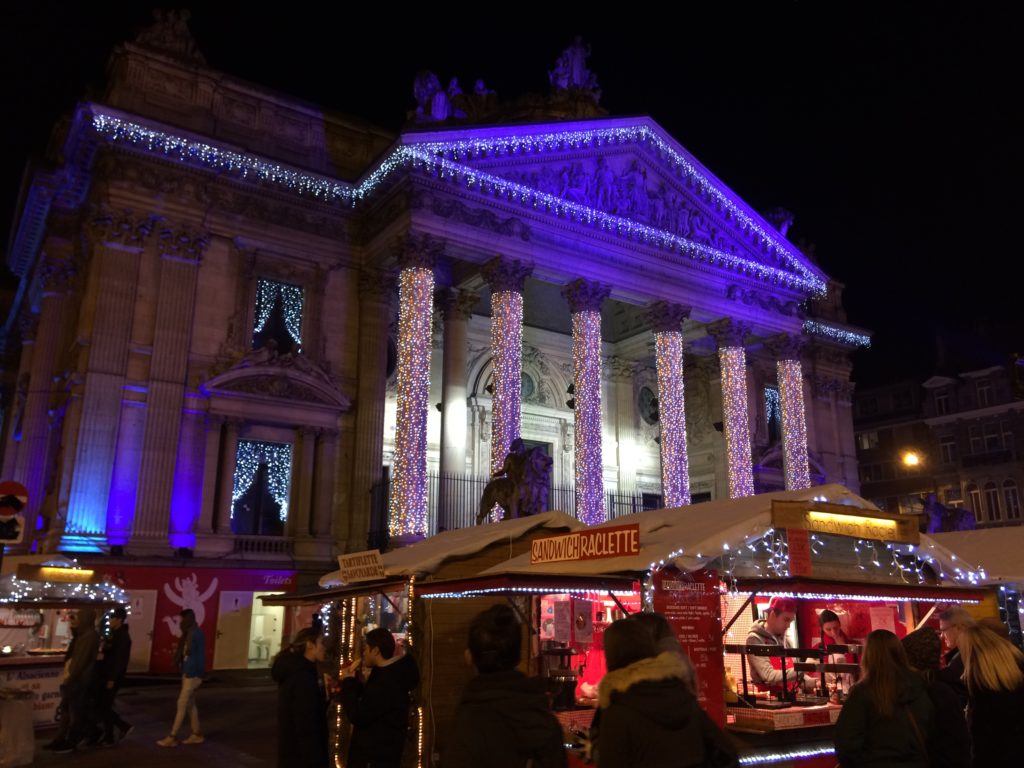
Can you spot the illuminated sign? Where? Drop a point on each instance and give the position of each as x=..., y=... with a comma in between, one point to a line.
x=56, y=575
x=615, y=541
x=840, y=520
x=361, y=566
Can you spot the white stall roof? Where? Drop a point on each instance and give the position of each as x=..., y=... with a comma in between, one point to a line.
x=690, y=536
x=426, y=556
x=999, y=551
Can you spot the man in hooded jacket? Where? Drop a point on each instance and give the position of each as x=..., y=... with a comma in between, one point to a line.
x=79, y=665
x=503, y=720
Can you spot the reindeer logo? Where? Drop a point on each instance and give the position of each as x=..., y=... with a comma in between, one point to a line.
x=187, y=596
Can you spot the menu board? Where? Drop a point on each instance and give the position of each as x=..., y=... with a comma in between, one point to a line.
x=692, y=604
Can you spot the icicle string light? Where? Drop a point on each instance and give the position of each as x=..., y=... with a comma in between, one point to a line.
x=249, y=454
x=733, y=362
x=507, y=348
x=441, y=159
x=585, y=301
x=408, y=508
x=789, y=756
x=794, y=424
x=836, y=333
x=675, y=468
x=291, y=304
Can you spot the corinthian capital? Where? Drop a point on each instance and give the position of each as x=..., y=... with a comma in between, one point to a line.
x=728, y=332
x=422, y=251
x=662, y=316
x=787, y=346
x=183, y=243
x=376, y=285
x=584, y=295
x=56, y=272
x=455, y=303
x=122, y=228
x=504, y=274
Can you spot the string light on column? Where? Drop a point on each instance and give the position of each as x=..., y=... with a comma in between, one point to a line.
x=732, y=360
x=506, y=278
x=408, y=506
x=794, y=419
x=585, y=301
x=668, y=343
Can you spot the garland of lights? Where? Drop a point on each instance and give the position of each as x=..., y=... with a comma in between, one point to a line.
x=772, y=406
x=507, y=348
x=277, y=456
x=408, y=506
x=675, y=471
x=436, y=158
x=574, y=591
x=835, y=333
x=733, y=362
x=291, y=304
x=24, y=591
x=794, y=424
x=585, y=304
x=768, y=758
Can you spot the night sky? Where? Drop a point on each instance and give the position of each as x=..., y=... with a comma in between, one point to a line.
x=887, y=134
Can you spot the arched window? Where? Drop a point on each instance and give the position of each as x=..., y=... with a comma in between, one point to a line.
x=974, y=500
x=1012, y=499
x=995, y=514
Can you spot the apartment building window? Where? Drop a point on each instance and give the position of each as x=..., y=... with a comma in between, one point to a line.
x=993, y=438
x=1007, y=429
x=869, y=406
x=278, y=316
x=941, y=403
x=974, y=499
x=992, y=502
x=867, y=440
x=903, y=400
x=1012, y=499
x=984, y=390
x=947, y=449
x=974, y=434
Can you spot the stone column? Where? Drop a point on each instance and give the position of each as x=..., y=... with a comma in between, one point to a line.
x=732, y=357
x=456, y=308
x=623, y=374
x=666, y=321
x=119, y=243
x=180, y=253
x=229, y=456
x=788, y=349
x=585, y=299
x=375, y=291
x=30, y=467
x=506, y=277
x=407, y=514
x=300, y=516
x=323, y=483
x=211, y=464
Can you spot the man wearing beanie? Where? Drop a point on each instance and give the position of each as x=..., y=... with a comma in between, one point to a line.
x=951, y=744
x=766, y=671
x=79, y=664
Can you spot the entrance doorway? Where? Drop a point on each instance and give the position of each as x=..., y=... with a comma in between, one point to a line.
x=265, y=631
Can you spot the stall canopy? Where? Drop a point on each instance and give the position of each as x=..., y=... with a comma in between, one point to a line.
x=690, y=537
x=998, y=552
x=426, y=556
x=57, y=582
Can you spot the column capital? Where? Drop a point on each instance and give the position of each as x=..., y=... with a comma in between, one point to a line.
x=786, y=346
x=56, y=273
x=122, y=228
x=376, y=285
x=621, y=369
x=504, y=274
x=728, y=332
x=422, y=251
x=585, y=295
x=663, y=316
x=182, y=243
x=455, y=303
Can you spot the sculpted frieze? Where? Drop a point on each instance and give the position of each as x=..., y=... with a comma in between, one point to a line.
x=765, y=301
x=278, y=386
x=481, y=218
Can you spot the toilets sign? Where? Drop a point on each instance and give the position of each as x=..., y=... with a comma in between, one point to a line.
x=600, y=543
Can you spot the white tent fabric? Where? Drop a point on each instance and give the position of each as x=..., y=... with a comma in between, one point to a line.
x=690, y=536
x=426, y=556
x=998, y=551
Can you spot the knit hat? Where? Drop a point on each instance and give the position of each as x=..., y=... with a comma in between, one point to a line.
x=782, y=604
x=923, y=648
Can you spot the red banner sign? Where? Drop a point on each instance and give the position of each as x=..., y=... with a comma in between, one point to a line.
x=799, y=540
x=615, y=541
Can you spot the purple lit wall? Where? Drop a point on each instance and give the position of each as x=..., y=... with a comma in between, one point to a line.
x=188, y=481
x=124, y=483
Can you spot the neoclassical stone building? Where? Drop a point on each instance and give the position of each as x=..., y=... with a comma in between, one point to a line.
x=239, y=315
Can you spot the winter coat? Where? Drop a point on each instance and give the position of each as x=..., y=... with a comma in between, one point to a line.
x=117, y=650
x=301, y=713
x=865, y=737
x=996, y=723
x=502, y=721
x=950, y=746
x=379, y=712
x=648, y=717
x=80, y=658
x=953, y=675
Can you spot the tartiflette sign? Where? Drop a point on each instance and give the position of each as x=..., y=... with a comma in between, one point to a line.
x=615, y=541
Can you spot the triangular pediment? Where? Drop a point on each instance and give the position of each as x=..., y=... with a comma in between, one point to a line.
x=624, y=176
x=286, y=377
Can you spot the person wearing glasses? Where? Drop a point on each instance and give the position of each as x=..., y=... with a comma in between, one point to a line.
x=952, y=622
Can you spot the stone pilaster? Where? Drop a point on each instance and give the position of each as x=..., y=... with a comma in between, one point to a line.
x=211, y=465
x=229, y=456
x=585, y=299
x=300, y=516
x=323, y=483
x=730, y=337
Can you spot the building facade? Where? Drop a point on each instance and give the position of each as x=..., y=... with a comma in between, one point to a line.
x=241, y=318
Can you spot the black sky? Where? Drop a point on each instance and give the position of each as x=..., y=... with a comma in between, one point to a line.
x=894, y=137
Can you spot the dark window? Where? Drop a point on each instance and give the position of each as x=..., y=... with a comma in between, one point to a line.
x=984, y=389
x=947, y=449
x=992, y=502
x=941, y=403
x=1012, y=499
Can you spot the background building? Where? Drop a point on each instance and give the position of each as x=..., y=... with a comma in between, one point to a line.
x=243, y=325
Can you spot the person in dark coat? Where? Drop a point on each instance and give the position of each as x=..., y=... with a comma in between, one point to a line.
x=503, y=719
x=888, y=718
x=301, y=704
x=951, y=744
x=648, y=716
x=79, y=667
x=379, y=707
x=110, y=672
x=994, y=674
x=952, y=622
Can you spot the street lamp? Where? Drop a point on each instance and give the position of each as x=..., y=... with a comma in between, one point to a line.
x=911, y=459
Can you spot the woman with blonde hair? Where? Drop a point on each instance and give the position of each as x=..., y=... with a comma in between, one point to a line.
x=994, y=674
x=888, y=718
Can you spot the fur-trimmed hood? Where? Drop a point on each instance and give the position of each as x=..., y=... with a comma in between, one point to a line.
x=665, y=666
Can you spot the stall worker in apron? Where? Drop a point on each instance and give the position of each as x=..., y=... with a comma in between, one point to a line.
x=766, y=671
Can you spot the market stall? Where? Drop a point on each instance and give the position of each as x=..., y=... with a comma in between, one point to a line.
x=712, y=569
